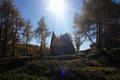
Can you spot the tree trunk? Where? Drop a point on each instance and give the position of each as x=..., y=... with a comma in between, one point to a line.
x=13, y=47
x=26, y=49
x=98, y=37
x=4, y=46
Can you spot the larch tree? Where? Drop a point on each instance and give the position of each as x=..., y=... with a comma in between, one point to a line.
x=42, y=32
x=77, y=41
x=96, y=15
x=10, y=24
x=81, y=33
x=27, y=34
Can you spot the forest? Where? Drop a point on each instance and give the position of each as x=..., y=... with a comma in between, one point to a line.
x=99, y=24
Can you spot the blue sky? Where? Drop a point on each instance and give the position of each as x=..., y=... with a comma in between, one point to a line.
x=35, y=9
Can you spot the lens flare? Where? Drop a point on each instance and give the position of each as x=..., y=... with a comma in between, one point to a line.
x=57, y=7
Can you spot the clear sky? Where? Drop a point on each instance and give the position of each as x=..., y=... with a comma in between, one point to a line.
x=59, y=20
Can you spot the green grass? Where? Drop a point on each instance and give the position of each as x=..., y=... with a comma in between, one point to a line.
x=47, y=70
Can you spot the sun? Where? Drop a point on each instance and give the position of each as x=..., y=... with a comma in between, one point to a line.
x=57, y=7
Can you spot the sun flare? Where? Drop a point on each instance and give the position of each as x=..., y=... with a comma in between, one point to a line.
x=57, y=7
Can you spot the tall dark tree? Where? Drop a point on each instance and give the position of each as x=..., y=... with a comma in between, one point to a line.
x=10, y=24
x=97, y=15
x=42, y=32
x=67, y=46
x=62, y=45
x=52, y=43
